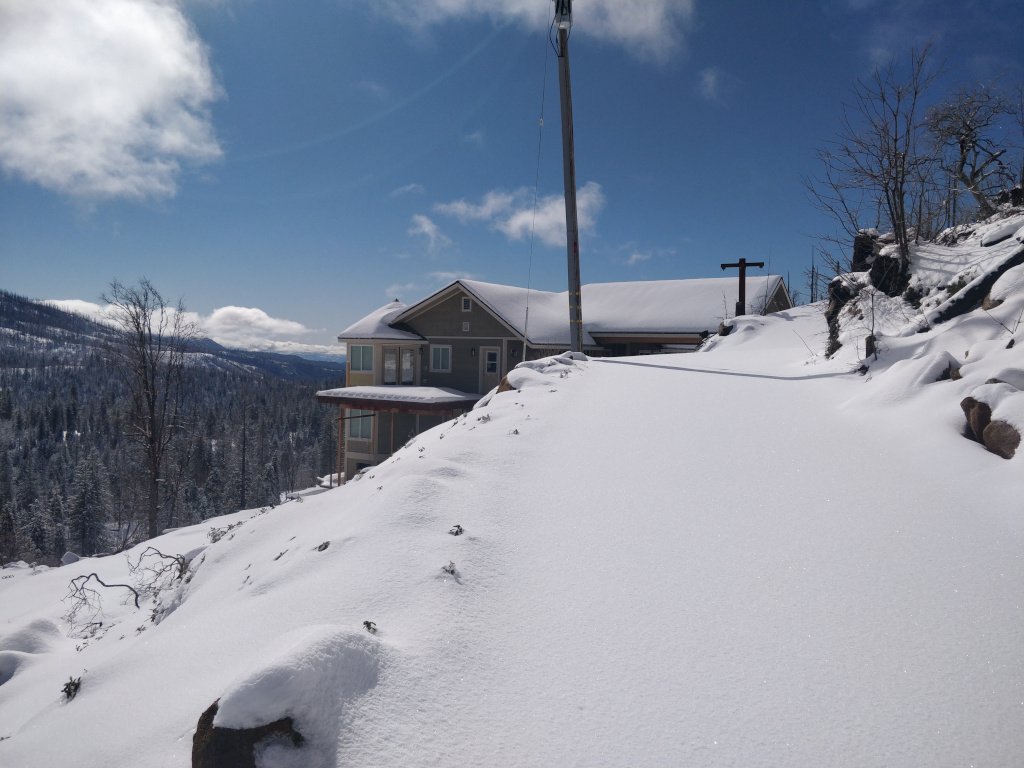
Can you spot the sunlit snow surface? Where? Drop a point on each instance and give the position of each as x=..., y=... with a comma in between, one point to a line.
x=749, y=556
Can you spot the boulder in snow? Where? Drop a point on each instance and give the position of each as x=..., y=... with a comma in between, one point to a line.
x=214, y=747
x=1001, y=439
x=70, y=557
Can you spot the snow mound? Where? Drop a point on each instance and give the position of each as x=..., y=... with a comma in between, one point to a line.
x=310, y=675
x=1009, y=283
x=38, y=637
x=1001, y=230
x=904, y=378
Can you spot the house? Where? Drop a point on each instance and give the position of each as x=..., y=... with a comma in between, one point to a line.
x=411, y=367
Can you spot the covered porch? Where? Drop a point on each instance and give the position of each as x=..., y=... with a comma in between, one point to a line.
x=381, y=419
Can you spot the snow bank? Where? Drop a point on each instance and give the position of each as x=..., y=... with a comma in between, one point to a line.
x=310, y=675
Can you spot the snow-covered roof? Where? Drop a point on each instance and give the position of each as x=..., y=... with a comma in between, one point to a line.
x=377, y=325
x=409, y=399
x=651, y=306
x=400, y=394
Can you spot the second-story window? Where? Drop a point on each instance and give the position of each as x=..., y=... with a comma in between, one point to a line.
x=360, y=358
x=467, y=304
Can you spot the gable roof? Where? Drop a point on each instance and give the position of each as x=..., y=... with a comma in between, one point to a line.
x=642, y=307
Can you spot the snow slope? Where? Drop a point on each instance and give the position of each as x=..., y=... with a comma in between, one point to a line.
x=750, y=556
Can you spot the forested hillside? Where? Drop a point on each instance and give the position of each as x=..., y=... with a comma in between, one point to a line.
x=70, y=474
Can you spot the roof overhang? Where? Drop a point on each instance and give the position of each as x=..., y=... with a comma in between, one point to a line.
x=399, y=399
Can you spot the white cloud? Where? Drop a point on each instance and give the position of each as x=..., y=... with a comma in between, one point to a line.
x=408, y=189
x=512, y=213
x=248, y=327
x=103, y=98
x=476, y=137
x=237, y=327
x=422, y=225
x=636, y=257
x=650, y=29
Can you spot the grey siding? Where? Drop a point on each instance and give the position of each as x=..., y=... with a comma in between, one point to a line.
x=446, y=319
x=465, y=375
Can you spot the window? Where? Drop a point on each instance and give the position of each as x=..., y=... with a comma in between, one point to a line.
x=467, y=304
x=390, y=366
x=408, y=366
x=491, y=362
x=440, y=359
x=360, y=358
x=360, y=424
x=465, y=327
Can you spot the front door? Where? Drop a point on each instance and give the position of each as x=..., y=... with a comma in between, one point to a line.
x=490, y=368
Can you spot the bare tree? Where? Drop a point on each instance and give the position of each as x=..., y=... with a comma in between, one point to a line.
x=149, y=355
x=969, y=129
x=869, y=168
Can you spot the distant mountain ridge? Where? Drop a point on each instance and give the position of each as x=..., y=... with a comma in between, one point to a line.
x=29, y=325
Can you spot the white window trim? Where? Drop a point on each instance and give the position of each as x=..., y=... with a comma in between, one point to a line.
x=440, y=370
x=361, y=353
x=467, y=304
x=357, y=415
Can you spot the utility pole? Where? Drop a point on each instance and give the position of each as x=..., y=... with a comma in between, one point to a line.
x=741, y=305
x=563, y=23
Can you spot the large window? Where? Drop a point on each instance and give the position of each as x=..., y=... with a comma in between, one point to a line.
x=360, y=358
x=360, y=423
x=440, y=359
x=408, y=366
x=390, y=366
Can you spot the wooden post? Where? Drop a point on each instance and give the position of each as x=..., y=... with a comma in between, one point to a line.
x=741, y=305
x=341, y=430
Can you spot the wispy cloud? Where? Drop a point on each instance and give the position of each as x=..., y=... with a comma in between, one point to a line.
x=714, y=84
x=374, y=89
x=408, y=189
x=636, y=257
x=650, y=29
x=402, y=290
x=476, y=137
x=436, y=240
x=448, y=277
x=512, y=213
x=103, y=98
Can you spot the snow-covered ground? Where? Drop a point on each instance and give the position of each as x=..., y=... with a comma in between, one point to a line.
x=749, y=556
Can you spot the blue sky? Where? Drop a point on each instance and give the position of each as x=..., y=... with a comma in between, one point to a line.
x=286, y=168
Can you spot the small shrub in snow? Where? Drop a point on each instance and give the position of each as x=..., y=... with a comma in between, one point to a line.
x=71, y=687
x=449, y=569
x=370, y=627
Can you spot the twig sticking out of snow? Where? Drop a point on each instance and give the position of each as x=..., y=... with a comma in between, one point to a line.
x=370, y=627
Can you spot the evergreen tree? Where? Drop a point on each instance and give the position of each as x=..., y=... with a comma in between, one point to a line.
x=89, y=506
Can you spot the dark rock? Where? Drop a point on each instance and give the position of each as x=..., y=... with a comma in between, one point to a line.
x=724, y=329
x=869, y=345
x=954, y=374
x=1001, y=439
x=888, y=275
x=1009, y=344
x=839, y=295
x=978, y=416
x=1014, y=196
x=970, y=297
x=214, y=747
x=865, y=248
x=989, y=303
